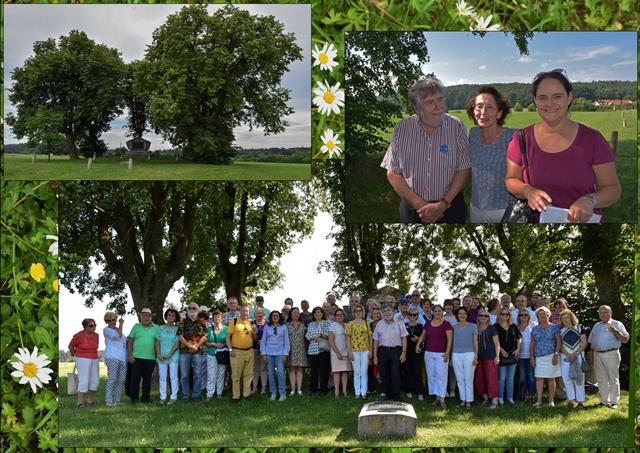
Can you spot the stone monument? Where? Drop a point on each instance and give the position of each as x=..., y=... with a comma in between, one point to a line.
x=138, y=147
x=387, y=419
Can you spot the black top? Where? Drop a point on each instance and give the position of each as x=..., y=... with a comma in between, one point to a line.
x=508, y=338
x=486, y=348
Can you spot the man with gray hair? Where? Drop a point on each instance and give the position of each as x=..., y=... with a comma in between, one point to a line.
x=428, y=160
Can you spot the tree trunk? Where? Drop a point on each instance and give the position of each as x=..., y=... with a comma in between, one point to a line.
x=73, y=151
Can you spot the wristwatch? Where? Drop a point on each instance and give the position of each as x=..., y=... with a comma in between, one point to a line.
x=591, y=197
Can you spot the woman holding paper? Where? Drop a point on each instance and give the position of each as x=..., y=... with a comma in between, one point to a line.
x=571, y=165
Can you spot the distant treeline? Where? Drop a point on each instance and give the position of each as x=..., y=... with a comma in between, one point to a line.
x=457, y=95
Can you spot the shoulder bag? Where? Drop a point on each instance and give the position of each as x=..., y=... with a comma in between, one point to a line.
x=72, y=381
x=518, y=211
x=222, y=357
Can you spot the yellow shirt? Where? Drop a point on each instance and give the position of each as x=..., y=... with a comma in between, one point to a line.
x=241, y=333
x=360, y=335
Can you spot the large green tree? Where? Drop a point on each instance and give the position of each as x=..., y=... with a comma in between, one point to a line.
x=75, y=83
x=206, y=74
x=138, y=107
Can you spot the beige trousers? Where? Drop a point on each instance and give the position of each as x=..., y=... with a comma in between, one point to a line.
x=606, y=367
x=241, y=368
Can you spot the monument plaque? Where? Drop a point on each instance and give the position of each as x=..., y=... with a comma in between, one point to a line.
x=387, y=419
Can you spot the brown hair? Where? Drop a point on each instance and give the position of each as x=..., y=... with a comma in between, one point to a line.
x=501, y=101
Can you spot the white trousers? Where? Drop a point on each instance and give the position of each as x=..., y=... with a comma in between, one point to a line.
x=575, y=391
x=607, y=368
x=437, y=373
x=464, y=370
x=173, y=377
x=88, y=374
x=360, y=368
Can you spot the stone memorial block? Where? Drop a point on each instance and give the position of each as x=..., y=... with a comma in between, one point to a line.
x=387, y=419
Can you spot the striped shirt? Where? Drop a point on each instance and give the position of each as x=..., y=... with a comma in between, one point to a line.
x=229, y=315
x=428, y=161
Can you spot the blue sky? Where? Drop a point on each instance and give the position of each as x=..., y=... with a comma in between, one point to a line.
x=462, y=57
x=129, y=29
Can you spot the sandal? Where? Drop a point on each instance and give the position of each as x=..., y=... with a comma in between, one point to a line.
x=92, y=403
x=79, y=405
x=493, y=406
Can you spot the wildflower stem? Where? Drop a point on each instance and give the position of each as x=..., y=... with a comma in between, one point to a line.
x=29, y=196
x=15, y=235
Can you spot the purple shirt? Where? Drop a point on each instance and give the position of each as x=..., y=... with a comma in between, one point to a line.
x=436, y=337
x=567, y=175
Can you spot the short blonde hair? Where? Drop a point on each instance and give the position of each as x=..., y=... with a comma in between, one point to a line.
x=389, y=299
x=574, y=318
x=545, y=309
x=109, y=314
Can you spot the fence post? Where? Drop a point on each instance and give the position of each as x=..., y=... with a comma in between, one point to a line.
x=614, y=143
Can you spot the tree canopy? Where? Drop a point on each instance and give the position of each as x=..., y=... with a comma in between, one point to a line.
x=71, y=88
x=205, y=74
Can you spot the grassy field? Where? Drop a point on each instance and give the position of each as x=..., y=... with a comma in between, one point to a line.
x=369, y=197
x=19, y=166
x=321, y=421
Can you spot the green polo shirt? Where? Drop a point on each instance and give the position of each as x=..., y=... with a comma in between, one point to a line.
x=144, y=341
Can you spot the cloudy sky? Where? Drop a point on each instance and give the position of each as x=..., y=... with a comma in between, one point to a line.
x=461, y=57
x=129, y=29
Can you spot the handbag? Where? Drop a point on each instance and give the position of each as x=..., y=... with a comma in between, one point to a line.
x=518, y=210
x=222, y=357
x=508, y=360
x=323, y=345
x=72, y=382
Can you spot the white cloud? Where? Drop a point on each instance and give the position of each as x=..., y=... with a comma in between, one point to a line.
x=525, y=59
x=589, y=53
x=625, y=63
x=482, y=67
x=545, y=65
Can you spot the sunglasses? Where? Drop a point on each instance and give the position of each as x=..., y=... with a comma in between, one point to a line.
x=523, y=316
x=505, y=314
x=483, y=316
x=546, y=73
x=112, y=319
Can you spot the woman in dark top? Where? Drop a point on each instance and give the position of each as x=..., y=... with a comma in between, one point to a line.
x=372, y=382
x=486, y=375
x=412, y=373
x=509, y=338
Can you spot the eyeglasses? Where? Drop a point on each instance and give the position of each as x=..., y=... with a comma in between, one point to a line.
x=91, y=325
x=192, y=309
x=505, y=314
x=483, y=316
x=112, y=319
x=545, y=73
x=523, y=316
x=487, y=107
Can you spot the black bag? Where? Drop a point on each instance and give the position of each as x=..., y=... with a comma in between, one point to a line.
x=518, y=211
x=509, y=360
x=222, y=357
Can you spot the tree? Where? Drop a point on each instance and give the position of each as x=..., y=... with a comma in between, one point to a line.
x=74, y=78
x=138, y=107
x=206, y=74
x=41, y=129
x=517, y=107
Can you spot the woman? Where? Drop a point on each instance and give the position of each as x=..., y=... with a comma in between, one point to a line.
x=298, y=354
x=525, y=369
x=412, y=369
x=359, y=344
x=493, y=307
x=449, y=315
x=115, y=358
x=274, y=349
x=574, y=342
x=84, y=348
x=544, y=352
x=168, y=355
x=486, y=374
x=217, y=356
x=259, y=367
x=317, y=335
x=374, y=378
x=340, y=363
x=438, y=334
x=559, y=306
x=427, y=312
x=488, y=108
x=571, y=165
x=464, y=355
x=509, y=339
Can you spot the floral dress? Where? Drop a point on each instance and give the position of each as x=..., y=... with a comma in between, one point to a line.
x=298, y=352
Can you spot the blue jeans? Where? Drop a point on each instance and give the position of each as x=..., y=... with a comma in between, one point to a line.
x=527, y=379
x=505, y=375
x=191, y=363
x=276, y=368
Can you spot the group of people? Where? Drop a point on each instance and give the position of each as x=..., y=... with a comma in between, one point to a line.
x=462, y=343
x=568, y=166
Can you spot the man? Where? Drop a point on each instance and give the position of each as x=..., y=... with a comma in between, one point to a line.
x=331, y=298
x=428, y=160
x=536, y=298
x=259, y=304
x=521, y=304
x=403, y=311
x=606, y=337
x=192, y=335
x=389, y=351
x=141, y=351
x=240, y=335
x=456, y=303
x=232, y=305
x=353, y=301
x=305, y=315
x=473, y=312
x=416, y=301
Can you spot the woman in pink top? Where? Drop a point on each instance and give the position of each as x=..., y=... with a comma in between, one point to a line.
x=571, y=164
x=438, y=336
x=84, y=348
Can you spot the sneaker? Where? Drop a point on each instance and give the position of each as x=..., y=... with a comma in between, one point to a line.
x=109, y=404
x=162, y=402
x=283, y=398
x=293, y=392
x=493, y=406
x=511, y=402
x=299, y=392
x=552, y=404
x=171, y=402
x=409, y=395
x=537, y=404
x=209, y=398
x=613, y=405
x=420, y=397
x=273, y=397
x=219, y=397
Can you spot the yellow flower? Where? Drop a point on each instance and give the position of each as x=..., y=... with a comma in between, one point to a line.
x=37, y=271
x=54, y=285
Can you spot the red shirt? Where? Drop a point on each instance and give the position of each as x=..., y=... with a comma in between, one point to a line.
x=86, y=346
x=436, y=337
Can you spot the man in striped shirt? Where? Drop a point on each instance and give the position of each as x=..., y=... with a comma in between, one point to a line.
x=428, y=159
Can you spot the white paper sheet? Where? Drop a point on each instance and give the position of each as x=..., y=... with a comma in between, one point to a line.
x=559, y=215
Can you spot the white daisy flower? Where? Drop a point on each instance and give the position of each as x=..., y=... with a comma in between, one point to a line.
x=325, y=56
x=483, y=24
x=53, y=248
x=31, y=368
x=330, y=141
x=464, y=9
x=328, y=98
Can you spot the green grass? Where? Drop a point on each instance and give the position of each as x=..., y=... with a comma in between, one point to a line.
x=321, y=421
x=19, y=166
x=370, y=198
